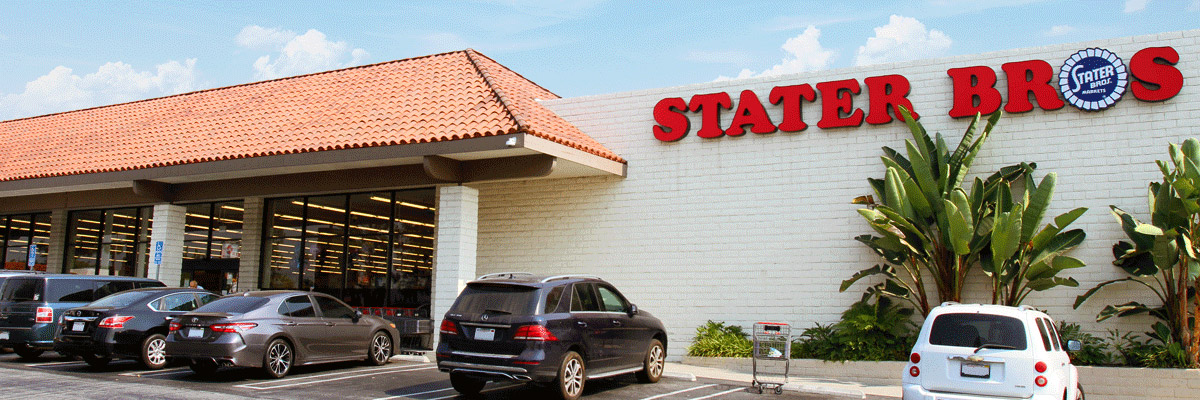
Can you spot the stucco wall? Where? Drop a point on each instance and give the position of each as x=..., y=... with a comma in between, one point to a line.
x=760, y=227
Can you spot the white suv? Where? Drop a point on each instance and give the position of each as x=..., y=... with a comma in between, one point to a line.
x=977, y=351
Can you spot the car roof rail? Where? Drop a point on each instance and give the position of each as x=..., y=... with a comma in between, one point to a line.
x=949, y=303
x=508, y=275
x=569, y=276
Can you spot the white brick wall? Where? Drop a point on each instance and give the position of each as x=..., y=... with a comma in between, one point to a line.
x=168, y=226
x=455, y=256
x=252, y=226
x=760, y=227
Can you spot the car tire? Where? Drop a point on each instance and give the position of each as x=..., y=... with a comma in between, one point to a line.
x=467, y=385
x=572, y=374
x=95, y=360
x=26, y=352
x=278, y=358
x=380, y=350
x=653, y=363
x=203, y=367
x=154, y=351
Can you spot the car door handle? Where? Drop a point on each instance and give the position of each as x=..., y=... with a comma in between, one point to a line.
x=616, y=323
x=290, y=323
x=328, y=324
x=582, y=324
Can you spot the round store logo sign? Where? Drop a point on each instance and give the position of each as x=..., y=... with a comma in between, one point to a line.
x=1093, y=79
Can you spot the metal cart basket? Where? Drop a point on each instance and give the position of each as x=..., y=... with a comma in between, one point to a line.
x=772, y=355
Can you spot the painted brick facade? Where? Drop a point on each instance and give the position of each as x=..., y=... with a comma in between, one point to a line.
x=760, y=227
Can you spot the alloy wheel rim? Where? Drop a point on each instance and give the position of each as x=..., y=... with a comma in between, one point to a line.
x=573, y=377
x=656, y=361
x=382, y=347
x=156, y=351
x=280, y=358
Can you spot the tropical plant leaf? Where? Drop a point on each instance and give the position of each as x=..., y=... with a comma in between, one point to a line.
x=876, y=270
x=1036, y=207
x=1047, y=283
x=1123, y=310
x=1061, y=243
x=1006, y=234
x=1084, y=297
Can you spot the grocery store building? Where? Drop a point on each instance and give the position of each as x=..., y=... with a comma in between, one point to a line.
x=391, y=185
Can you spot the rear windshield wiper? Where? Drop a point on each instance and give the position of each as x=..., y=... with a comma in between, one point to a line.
x=491, y=311
x=994, y=346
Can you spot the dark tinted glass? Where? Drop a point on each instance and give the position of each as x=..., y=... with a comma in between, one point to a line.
x=582, y=298
x=233, y=305
x=1045, y=336
x=974, y=330
x=208, y=298
x=70, y=290
x=503, y=299
x=612, y=301
x=297, y=306
x=331, y=308
x=146, y=284
x=120, y=300
x=552, y=299
x=179, y=302
x=107, y=288
x=22, y=290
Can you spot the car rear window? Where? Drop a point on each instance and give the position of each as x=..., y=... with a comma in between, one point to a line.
x=233, y=305
x=504, y=299
x=17, y=289
x=71, y=291
x=120, y=300
x=975, y=330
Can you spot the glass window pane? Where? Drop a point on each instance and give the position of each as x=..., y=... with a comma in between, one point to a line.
x=285, y=217
x=83, y=248
x=612, y=301
x=41, y=237
x=283, y=259
x=331, y=308
x=196, y=223
x=366, y=271
x=3, y=231
x=227, y=230
x=195, y=250
x=370, y=214
x=323, y=261
x=297, y=306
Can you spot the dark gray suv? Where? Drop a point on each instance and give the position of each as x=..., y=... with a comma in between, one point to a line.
x=558, y=331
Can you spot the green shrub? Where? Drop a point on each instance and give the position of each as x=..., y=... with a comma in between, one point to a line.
x=715, y=339
x=1151, y=352
x=880, y=331
x=1093, y=350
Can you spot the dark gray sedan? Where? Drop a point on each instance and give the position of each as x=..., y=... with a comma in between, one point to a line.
x=276, y=330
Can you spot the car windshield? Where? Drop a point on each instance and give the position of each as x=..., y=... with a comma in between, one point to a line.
x=119, y=300
x=233, y=305
x=978, y=330
x=496, y=299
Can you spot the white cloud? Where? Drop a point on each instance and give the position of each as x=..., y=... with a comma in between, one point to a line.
x=804, y=54
x=902, y=39
x=1059, y=30
x=115, y=82
x=297, y=54
x=1132, y=6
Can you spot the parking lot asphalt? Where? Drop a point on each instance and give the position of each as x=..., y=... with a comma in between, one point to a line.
x=52, y=377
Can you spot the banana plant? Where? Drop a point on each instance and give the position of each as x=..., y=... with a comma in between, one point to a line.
x=927, y=225
x=1023, y=259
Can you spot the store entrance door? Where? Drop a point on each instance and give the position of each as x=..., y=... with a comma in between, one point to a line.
x=217, y=275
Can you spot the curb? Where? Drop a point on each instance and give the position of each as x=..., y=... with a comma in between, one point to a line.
x=680, y=375
x=852, y=393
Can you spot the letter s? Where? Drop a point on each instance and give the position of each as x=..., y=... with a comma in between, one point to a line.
x=1145, y=67
x=672, y=123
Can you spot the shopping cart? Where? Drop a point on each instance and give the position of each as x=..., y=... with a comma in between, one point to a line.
x=772, y=355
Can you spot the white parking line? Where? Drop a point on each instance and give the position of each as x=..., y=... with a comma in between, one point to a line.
x=481, y=391
x=678, y=392
x=248, y=386
x=56, y=363
x=327, y=374
x=413, y=394
x=719, y=394
x=168, y=371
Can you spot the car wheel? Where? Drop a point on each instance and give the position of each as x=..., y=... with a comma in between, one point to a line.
x=570, y=379
x=154, y=351
x=95, y=360
x=466, y=385
x=26, y=352
x=381, y=349
x=652, y=365
x=278, y=359
x=203, y=367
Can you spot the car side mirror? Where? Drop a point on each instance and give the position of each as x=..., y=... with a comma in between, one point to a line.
x=1074, y=345
x=357, y=315
x=633, y=310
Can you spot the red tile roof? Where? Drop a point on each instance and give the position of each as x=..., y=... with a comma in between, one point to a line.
x=441, y=97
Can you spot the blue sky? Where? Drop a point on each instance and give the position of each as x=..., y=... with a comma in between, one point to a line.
x=59, y=56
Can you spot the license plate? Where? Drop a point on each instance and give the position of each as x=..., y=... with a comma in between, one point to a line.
x=195, y=332
x=976, y=370
x=77, y=327
x=3, y=335
x=485, y=334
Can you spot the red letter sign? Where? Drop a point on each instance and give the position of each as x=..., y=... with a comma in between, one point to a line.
x=711, y=105
x=750, y=112
x=887, y=92
x=789, y=98
x=1027, y=77
x=837, y=98
x=1145, y=67
x=971, y=84
x=672, y=123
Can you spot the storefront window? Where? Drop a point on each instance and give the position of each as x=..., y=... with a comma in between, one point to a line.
x=212, y=245
x=21, y=233
x=369, y=249
x=109, y=242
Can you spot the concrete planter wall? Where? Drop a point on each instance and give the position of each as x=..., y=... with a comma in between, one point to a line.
x=1098, y=382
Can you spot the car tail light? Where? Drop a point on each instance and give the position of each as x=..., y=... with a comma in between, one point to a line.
x=915, y=358
x=448, y=327
x=174, y=326
x=44, y=315
x=534, y=332
x=115, y=321
x=914, y=371
x=236, y=327
x=1040, y=367
x=1040, y=381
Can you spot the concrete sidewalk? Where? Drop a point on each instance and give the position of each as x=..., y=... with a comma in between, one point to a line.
x=843, y=389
